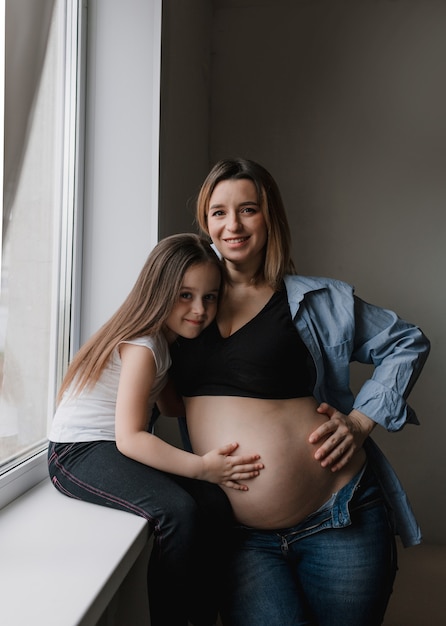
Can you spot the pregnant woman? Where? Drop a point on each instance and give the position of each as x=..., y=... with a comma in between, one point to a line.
x=314, y=535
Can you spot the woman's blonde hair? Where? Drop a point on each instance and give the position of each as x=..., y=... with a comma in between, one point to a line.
x=277, y=261
x=145, y=309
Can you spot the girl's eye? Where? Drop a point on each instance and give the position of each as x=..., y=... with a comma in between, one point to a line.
x=185, y=295
x=210, y=297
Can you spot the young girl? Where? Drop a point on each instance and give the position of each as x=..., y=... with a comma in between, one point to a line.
x=101, y=451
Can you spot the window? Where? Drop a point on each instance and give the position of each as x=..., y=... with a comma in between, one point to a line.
x=40, y=218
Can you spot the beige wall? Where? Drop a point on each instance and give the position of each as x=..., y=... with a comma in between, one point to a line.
x=344, y=102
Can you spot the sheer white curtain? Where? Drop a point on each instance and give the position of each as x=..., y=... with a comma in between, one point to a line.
x=34, y=40
x=26, y=38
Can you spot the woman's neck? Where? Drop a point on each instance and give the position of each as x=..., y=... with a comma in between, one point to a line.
x=241, y=276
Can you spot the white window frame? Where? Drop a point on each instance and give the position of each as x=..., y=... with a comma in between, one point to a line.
x=31, y=467
x=115, y=209
x=2, y=112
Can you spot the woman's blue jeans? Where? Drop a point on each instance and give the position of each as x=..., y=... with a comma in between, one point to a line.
x=185, y=516
x=336, y=568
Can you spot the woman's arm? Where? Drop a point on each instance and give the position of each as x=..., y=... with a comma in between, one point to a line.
x=138, y=370
x=398, y=351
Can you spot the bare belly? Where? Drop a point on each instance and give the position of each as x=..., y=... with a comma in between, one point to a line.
x=293, y=484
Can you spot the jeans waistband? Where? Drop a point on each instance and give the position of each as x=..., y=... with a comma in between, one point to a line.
x=340, y=510
x=361, y=491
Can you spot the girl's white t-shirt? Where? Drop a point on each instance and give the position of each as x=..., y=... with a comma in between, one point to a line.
x=90, y=415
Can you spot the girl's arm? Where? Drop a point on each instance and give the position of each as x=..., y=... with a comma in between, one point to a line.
x=138, y=370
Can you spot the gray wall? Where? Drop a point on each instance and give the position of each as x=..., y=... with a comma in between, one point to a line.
x=185, y=109
x=344, y=102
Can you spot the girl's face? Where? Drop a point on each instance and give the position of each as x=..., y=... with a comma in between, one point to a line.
x=236, y=222
x=197, y=302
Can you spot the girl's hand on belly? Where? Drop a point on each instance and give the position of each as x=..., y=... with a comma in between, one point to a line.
x=219, y=466
x=344, y=435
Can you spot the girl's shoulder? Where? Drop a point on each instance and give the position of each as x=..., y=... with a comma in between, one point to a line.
x=156, y=343
x=160, y=349
x=149, y=341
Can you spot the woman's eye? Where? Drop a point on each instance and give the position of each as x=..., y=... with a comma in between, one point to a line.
x=249, y=209
x=216, y=213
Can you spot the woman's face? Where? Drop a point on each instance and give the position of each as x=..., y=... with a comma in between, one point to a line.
x=236, y=222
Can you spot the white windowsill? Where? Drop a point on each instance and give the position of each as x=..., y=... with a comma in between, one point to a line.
x=23, y=477
x=62, y=560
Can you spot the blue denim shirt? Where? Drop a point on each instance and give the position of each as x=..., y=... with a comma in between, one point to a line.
x=338, y=328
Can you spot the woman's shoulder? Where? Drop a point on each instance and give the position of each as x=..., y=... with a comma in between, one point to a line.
x=325, y=295
x=303, y=284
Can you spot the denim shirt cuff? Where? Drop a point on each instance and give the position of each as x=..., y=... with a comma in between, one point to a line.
x=384, y=406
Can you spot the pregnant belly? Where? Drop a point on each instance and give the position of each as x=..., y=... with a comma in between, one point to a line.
x=292, y=484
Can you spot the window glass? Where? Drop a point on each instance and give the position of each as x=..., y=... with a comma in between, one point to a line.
x=38, y=216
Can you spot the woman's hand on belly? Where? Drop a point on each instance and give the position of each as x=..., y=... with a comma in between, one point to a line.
x=343, y=436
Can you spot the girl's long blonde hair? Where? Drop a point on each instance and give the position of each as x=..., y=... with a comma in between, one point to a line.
x=278, y=261
x=145, y=309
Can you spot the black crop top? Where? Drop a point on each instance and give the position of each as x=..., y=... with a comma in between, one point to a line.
x=266, y=358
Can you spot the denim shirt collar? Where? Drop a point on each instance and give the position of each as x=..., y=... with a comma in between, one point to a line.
x=297, y=287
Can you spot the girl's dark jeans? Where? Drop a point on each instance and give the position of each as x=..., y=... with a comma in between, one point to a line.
x=185, y=516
